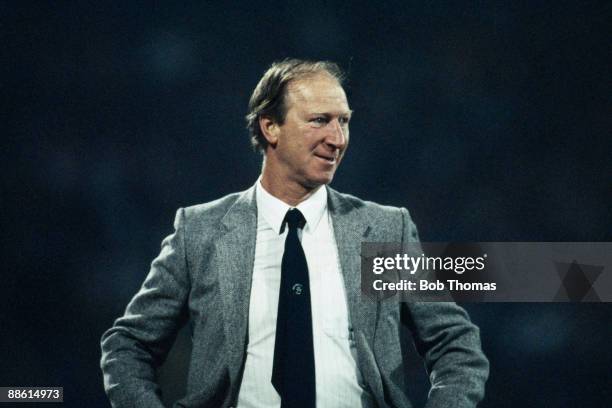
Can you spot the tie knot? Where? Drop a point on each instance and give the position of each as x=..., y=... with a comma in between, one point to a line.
x=294, y=219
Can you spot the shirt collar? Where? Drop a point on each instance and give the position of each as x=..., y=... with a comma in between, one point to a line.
x=273, y=210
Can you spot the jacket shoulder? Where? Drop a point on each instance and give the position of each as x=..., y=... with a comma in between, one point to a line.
x=367, y=207
x=389, y=223
x=211, y=213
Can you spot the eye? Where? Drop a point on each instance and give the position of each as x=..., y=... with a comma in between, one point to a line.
x=319, y=120
x=344, y=120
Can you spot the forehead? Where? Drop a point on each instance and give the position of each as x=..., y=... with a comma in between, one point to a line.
x=320, y=92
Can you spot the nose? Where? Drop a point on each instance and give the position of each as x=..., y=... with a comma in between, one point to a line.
x=337, y=135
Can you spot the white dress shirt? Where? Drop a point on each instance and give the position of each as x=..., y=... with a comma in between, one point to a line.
x=337, y=376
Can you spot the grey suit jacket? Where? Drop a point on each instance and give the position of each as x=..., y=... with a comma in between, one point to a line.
x=203, y=275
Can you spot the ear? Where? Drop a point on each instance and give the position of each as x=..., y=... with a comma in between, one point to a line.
x=269, y=129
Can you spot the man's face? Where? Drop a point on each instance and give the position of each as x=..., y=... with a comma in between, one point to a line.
x=312, y=140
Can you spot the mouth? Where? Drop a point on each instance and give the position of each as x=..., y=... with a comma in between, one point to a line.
x=327, y=158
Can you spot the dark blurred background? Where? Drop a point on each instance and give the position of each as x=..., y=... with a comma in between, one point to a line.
x=490, y=121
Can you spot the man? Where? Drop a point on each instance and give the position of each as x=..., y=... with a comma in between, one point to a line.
x=269, y=280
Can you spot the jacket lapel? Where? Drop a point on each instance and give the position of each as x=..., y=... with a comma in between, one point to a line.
x=236, y=251
x=351, y=228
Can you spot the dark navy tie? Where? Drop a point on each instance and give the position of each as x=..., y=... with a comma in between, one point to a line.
x=293, y=371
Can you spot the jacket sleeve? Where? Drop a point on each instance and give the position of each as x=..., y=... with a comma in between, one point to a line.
x=139, y=341
x=450, y=345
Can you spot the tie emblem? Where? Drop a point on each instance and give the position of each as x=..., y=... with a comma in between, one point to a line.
x=297, y=289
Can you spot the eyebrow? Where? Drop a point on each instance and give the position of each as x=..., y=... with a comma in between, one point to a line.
x=347, y=113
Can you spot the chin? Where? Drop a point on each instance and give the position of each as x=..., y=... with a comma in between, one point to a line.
x=319, y=180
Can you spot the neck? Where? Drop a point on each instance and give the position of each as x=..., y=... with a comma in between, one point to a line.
x=289, y=191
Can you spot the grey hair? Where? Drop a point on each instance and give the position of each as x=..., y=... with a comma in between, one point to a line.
x=269, y=96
